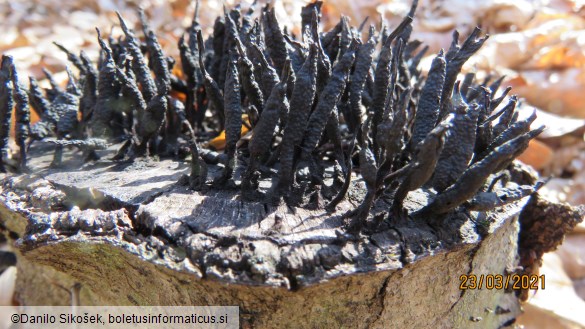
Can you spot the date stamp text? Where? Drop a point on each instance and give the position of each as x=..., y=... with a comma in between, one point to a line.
x=501, y=281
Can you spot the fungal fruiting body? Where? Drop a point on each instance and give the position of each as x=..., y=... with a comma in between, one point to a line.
x=303, y=116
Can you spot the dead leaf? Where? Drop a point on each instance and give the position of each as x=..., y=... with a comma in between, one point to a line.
x=572, y=255
x=558, y=92
x=558, y=301
x=538, y=155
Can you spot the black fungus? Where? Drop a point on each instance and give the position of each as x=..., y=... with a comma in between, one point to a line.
x=323, y=114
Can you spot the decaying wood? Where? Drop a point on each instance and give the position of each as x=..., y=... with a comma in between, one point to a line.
x=127, y=231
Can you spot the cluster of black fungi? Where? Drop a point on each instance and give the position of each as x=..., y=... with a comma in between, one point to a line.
x=316, y=109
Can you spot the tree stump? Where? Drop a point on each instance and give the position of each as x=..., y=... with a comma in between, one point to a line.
x=129, y=234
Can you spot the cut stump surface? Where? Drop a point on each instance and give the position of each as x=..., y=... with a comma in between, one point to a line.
x=131, y=235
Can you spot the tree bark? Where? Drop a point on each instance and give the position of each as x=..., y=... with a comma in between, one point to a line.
x=130, y=235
